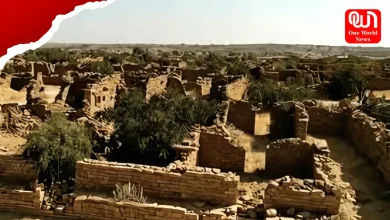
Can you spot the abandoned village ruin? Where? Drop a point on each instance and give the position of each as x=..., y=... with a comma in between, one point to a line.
x=302, y=158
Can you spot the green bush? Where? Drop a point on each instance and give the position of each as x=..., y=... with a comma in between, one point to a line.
x=348, y=82
x=48, y=55
x=103, y=67
x=8, y=69
x=151, y=129
x=56, y=146
x=267, y=92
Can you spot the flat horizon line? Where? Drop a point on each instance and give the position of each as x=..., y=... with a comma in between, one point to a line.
x=179, y=44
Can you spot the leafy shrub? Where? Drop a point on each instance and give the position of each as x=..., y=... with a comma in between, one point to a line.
x=103, y=67
x=151, y=129
x=56, y=146
x=267, y=92
x=8, y=69
x=54, y=55
x=348, y=82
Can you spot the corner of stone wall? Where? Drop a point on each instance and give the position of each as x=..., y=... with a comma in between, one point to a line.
x=301, y=120
x=306, y=195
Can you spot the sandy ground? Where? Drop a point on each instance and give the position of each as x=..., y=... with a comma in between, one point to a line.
x=363, y=177
x=51, y=92
x=8, y=95
x=255, y=151
x=10, y=144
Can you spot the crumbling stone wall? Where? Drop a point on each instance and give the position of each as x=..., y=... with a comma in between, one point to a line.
x=305, y=195
x=242, y=116
x=21, y=200
x=325, y=121
x=90, y=207
x=96, y=208
x=371, y=139
x=16, y=167
x=290, y=156
x=301, y=121
x=216, y=150
x=196, y=183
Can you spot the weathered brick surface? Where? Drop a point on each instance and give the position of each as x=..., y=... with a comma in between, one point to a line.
x=371, y=139
x=301, y=121
x=300, y=195
x=325, y=121
x=196, y=183
x=90, y=207
x=21, y=199
x=242, y=116
x=12, y=166
x=216, y=151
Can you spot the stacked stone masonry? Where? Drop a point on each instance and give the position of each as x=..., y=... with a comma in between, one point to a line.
x=301, y=121
x=16, y=167
x=308, y=195
x=21, y=199
x=217, y=150
x=197, y=183
x=96, y=208
x=371, y=139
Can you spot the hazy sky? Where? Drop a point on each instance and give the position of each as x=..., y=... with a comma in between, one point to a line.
x=218, y=22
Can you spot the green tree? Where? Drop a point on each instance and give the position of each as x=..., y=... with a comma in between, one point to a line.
x=349, y=82
x=103, y=67
x=267, y=92
x=149, y=130
x=56, y=146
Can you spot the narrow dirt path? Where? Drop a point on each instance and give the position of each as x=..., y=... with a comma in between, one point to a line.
x=363, y=177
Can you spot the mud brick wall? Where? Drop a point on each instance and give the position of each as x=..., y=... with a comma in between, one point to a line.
x=21, y=199
x=16, y=167
x=301, y=121
x=196, y=183
x=325, y=121
x=216, y=151
x=290, y=156
x=371, y=139
x=242, y=116
x=291, y=194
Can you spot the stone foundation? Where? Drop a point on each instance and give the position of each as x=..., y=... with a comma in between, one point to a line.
x=308, y=195
x=21, y=199
x=90, y=207
x=204, y=184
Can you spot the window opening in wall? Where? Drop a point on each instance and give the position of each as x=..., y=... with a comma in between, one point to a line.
x=98, y=99
x=104, y=98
